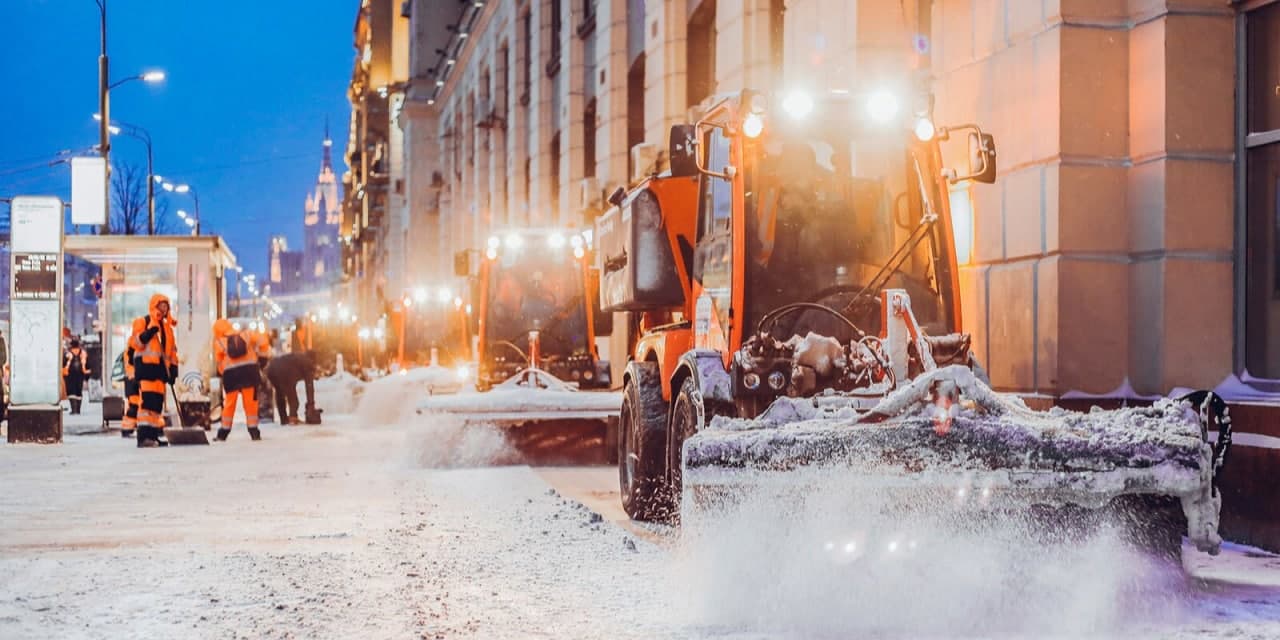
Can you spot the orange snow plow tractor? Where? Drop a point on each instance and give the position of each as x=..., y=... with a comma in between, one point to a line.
x=795, y=277
x=539, y=375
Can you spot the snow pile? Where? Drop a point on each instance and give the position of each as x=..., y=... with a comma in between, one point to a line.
x=538, y=393
x=524, y=400
x=339, y=393
x=447, y=442
x=996, y=442
x=847, y=561
x=393, y=399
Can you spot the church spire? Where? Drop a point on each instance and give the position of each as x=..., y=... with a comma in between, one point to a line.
x=328, y=146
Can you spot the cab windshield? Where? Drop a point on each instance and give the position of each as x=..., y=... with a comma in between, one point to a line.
x=537, y=288
x=825, y=212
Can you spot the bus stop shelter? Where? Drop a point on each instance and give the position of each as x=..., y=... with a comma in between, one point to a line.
x=190, y=270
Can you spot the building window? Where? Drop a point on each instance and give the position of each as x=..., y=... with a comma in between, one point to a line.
x=588, y=24
x=526, y=35
x=589, y=139
x=635, y=109
x=700, y=51
x=528, y=179
x=555, y=178
x=1262, y=191
x=557, y=26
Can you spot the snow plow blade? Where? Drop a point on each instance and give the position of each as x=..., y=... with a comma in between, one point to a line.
x=947, y=433
x=545, y=421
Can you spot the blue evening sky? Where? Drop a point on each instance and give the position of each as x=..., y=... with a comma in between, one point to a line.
x=241, y=115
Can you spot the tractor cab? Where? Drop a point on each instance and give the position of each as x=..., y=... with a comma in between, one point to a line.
x=535, y=309
x=809, y=207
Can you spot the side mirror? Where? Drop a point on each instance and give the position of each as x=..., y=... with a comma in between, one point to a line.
x=617, y=197
x=682, y=148
x=982, y=157
x=462, y=264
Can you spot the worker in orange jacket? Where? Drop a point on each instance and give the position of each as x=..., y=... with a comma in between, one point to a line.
x=238, y=353
x=133, y=396
x=155, y=364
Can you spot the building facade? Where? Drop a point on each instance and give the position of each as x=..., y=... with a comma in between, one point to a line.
x=320, y=262
x=285, y=267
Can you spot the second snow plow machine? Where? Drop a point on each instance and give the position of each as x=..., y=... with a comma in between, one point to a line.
x=539, y=376
x=797, y=279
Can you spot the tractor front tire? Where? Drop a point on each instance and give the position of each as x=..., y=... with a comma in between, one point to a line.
x=642, y=445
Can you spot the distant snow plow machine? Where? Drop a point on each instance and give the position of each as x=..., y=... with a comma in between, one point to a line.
x=795, y=275
x=537, y=352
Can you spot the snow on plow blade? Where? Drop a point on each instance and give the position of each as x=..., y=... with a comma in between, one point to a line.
x=543, y=419
x=986, y=442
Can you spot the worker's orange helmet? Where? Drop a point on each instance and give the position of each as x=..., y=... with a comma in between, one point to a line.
x=222, y=327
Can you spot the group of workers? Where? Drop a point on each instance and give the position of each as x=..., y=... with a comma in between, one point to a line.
x=242, y=356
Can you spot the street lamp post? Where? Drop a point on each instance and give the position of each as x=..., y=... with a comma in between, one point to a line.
x=104, y=135
x=139, y=133
x=104, y=104
x=186, y=188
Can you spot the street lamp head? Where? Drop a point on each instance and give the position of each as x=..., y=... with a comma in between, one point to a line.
x=182, y=188
x=182, y=214
x=168, y=186
x=153, y=76
x=158, y=179
x=115, y=131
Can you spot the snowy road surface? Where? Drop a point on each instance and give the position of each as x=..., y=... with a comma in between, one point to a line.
x=353, y=530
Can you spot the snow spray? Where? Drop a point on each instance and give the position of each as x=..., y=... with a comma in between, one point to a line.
x=834, y=556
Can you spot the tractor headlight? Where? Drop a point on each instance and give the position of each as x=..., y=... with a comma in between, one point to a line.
x=777, y=380
x=797, y=104
x=753, y=125
x=924, y=129
x=882, y=106
x=751, y=380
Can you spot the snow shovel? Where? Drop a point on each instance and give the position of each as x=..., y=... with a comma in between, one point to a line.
x=187, y=433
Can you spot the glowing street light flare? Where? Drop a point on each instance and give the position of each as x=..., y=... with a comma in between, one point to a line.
x=445, y=294
x=797, y=104
x=556, y=240
x=882, y=106
x=924, y=129
x=420, y=295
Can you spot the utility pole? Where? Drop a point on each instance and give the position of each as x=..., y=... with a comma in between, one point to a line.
x=104, y=124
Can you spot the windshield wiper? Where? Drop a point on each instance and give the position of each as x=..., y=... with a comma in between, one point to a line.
x=900, y=255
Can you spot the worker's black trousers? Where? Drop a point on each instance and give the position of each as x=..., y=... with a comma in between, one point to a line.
x=286, y=400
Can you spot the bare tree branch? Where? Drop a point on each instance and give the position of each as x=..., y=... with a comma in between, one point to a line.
x=128, y=199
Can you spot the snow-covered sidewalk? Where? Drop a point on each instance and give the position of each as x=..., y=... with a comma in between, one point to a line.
x=351, y=530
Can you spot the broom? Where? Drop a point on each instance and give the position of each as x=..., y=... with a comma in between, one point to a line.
x=186, y=434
